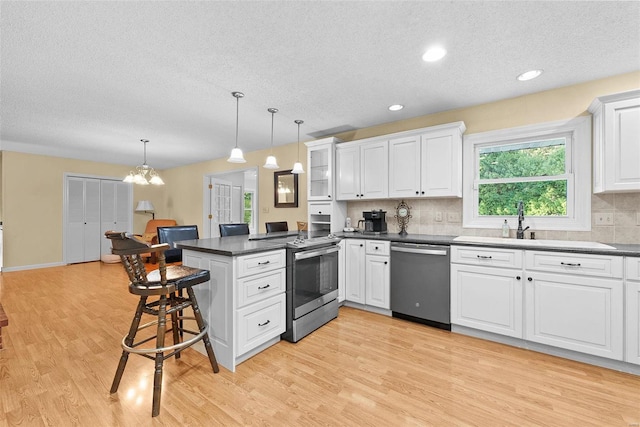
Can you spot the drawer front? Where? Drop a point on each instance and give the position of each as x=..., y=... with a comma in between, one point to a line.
x=260, y=262
x=322, y=208
x=260, y=286
x=260, y=322
x=633, y=268
x=490, y=257
x=582, y=264
x=378, y=247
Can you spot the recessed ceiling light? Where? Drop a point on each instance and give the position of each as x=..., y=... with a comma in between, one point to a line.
x=529, y=75
x=434, y=54
x=396, y=107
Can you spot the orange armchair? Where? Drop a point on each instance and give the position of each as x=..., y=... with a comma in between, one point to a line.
x=150, y=234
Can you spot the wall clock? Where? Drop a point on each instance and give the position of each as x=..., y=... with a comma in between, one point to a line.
x=403, y=213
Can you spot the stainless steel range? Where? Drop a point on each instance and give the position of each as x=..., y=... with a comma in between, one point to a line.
x=312, y=285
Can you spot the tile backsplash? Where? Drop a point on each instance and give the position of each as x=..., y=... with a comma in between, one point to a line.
x=444, y=217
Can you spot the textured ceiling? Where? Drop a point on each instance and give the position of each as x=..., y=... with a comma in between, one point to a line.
x=89, y=79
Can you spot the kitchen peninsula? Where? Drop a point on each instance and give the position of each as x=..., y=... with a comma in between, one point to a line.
x=244, y=303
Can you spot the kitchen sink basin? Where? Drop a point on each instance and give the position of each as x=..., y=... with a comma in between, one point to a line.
x=573, y=244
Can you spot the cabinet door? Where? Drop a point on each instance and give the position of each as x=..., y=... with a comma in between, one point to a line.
x=441, y=158
x=485, y=298
x=341, y=270
x=377, y=291
x=320, y=164
x=621, y=146
x=633, y=322
x=374, y=170
x=348, y=172
x=354, y=271
x=404, y=167
x=575, y=312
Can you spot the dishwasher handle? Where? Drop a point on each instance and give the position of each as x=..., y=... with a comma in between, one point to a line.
x=421, y=251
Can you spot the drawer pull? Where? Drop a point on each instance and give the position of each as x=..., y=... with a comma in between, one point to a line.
x=484, y=256
x=265, y=323
x=264, y=287
x=570, y=264
x=264, y=263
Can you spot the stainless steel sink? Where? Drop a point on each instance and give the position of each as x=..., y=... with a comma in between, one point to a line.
x=574, y=244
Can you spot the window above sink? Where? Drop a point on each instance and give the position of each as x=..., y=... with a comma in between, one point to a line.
x=547, y=166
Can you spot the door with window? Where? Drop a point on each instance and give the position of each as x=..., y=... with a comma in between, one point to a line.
x=220, y=209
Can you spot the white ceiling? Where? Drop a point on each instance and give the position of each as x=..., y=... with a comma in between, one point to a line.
x=89, y=79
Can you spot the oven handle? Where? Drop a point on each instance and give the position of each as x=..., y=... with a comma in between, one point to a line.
x=311, y=254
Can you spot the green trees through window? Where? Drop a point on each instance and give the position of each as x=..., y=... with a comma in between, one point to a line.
x=532, y=171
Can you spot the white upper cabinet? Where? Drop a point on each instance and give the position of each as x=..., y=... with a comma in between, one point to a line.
x=320, y=158
x=427, y=162
x=362, y=170
x=616, y=142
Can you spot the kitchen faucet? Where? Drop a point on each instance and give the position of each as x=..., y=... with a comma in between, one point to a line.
x=520, y=231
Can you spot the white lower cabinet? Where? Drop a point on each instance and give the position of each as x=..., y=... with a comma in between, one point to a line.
x=377, y=274
x=567, y=300
x=487, y=298
x=244, y=303
x=632, y=312
x=367, y=272
x=577, y=313
x=354, y=270
x=575, y=301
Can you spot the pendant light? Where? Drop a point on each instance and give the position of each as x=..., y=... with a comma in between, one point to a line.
x=271, y=162
x=140, y=176
x=236, y=154
x=297, y=166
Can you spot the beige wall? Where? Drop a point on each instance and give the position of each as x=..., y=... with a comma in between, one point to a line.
x=32, y=202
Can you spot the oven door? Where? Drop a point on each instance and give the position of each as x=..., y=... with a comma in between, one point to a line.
x=315, y=279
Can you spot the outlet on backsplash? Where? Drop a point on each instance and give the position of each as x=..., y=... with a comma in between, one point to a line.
x=637, y=219
x=453, y=217
x=438, y=217
x=604, y=218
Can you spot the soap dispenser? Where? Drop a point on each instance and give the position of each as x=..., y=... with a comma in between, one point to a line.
x=505, y=229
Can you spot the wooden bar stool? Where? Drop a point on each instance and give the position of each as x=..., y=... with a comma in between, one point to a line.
x=164, y=284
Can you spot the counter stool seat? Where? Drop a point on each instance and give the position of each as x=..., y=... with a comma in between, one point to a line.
x=160, y=294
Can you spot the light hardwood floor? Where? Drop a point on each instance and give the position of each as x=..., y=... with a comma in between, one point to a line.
x=63, y=344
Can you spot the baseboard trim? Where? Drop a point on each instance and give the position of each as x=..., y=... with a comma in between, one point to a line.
x=32, y=267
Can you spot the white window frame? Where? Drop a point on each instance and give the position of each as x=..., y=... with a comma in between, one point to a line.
x=578, y=155
x=252, y=225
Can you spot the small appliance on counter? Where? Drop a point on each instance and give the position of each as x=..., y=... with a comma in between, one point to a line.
x=348, y=227
x=374, y=222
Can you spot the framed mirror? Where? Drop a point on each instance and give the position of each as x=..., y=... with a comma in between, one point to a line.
x=285, y=185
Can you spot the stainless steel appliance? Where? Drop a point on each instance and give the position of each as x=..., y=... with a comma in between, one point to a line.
x=420, y=289
x=374, y=221
x=312, y=285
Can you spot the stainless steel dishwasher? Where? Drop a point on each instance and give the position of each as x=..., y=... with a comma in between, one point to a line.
x=420, y=289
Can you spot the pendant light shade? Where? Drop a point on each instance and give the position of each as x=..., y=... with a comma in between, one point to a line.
x=271, y=162
x=236, y=154
x=297, y=166
x=144, y=174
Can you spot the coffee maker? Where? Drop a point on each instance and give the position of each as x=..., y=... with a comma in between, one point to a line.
x=374, y=221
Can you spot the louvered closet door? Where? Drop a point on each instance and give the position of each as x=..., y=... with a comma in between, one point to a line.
x=115, y=209
x=83, y=220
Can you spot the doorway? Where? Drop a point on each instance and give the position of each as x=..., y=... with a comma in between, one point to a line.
x=230, y=197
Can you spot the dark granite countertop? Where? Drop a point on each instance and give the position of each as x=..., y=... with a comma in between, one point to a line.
x=255, y=243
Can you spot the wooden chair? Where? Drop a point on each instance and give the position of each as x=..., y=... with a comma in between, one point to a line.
x=273, y=227
x=233, y=229
x=163, y=284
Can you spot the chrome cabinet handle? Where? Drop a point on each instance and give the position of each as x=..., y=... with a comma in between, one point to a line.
x=530, y=279
x=265, y=323
x=484, y=256
x=518, y=277
x=264, y=287
x=570, y=264
x=264, y=263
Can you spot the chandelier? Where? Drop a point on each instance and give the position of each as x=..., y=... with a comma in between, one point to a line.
x=144, y=174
